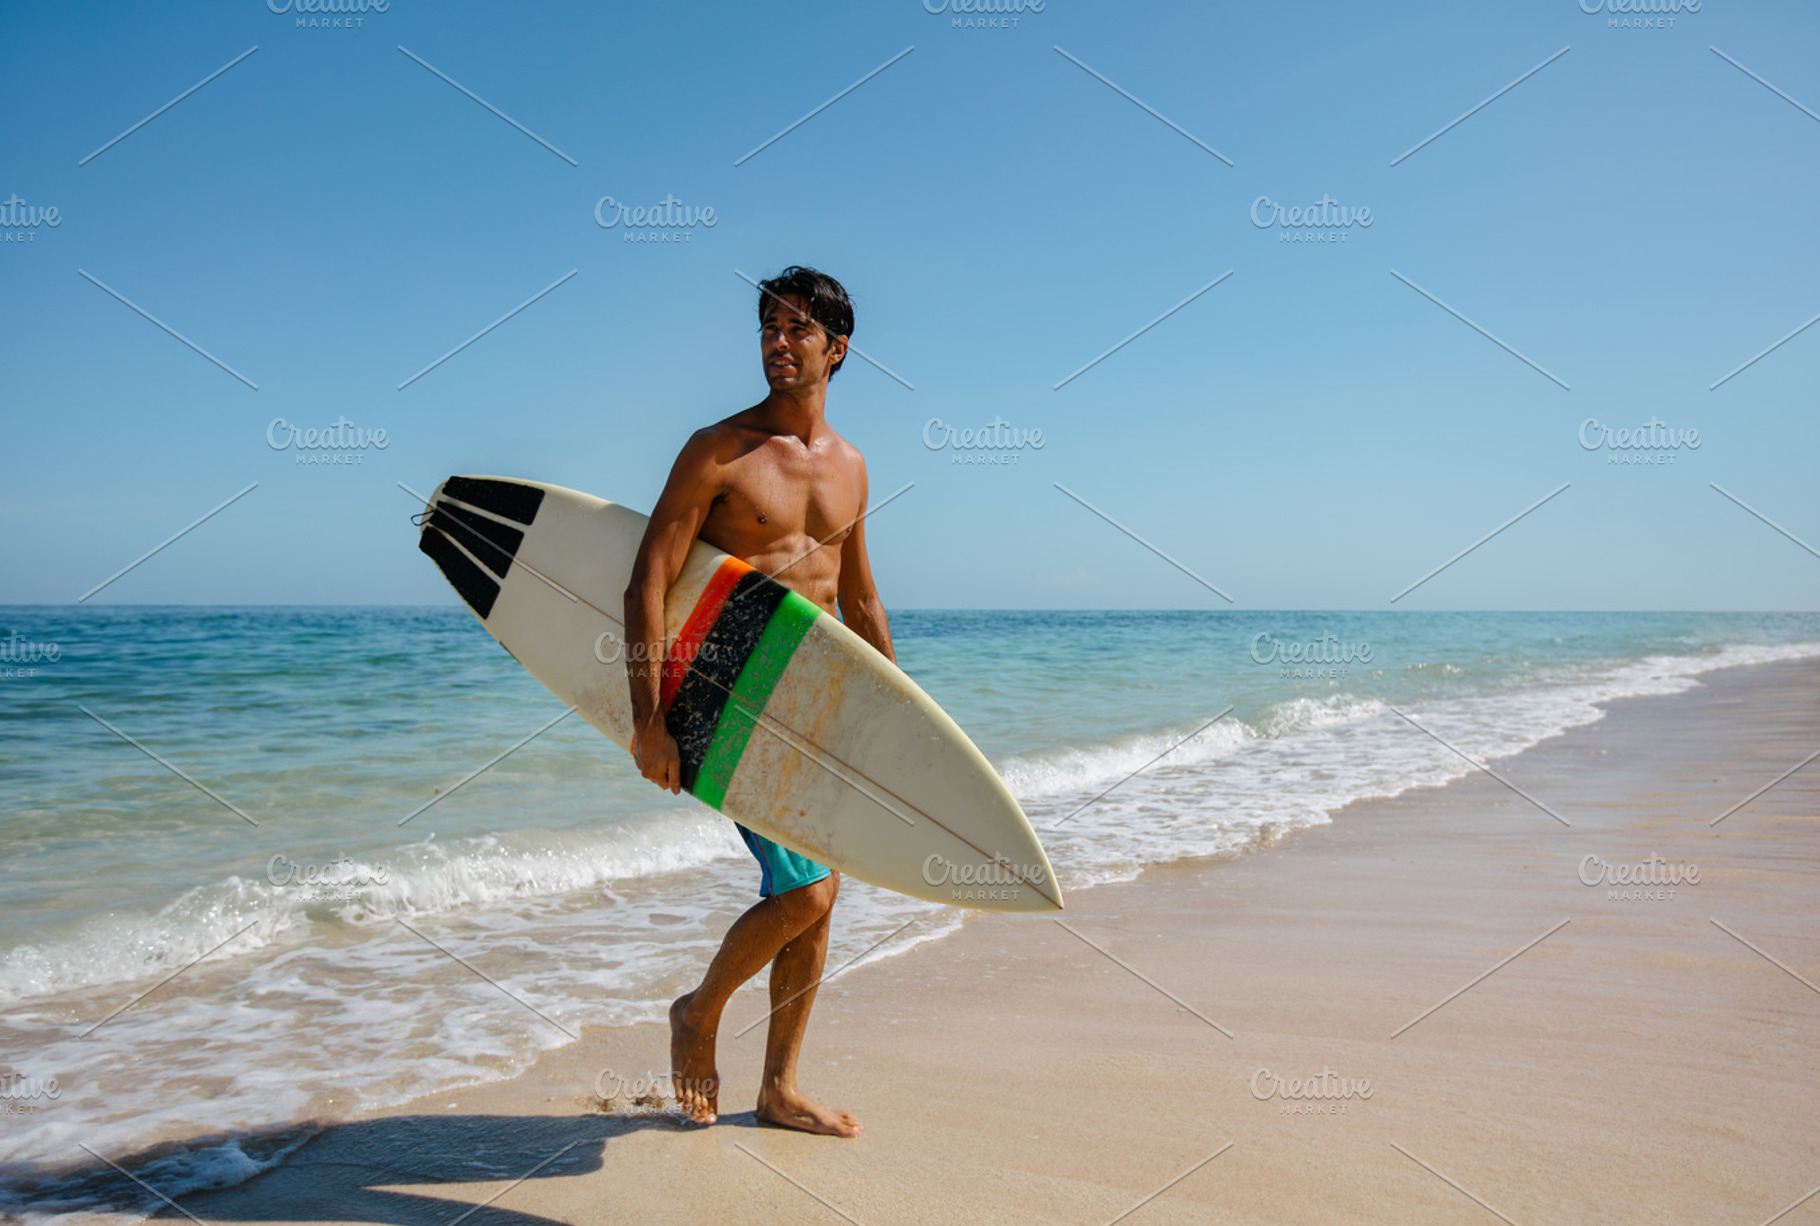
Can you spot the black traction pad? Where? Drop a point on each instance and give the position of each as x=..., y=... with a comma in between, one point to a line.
x=505, y=498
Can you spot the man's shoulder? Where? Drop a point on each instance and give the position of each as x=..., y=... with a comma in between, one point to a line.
x=847, y=452
x=722, y=440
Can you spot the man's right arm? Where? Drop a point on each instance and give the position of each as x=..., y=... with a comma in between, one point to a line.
x=677, y=518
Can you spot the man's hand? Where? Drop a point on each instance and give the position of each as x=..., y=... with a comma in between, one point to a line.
x=658, y=757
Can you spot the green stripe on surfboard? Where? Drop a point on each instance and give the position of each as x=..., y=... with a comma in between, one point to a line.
x=783, y=633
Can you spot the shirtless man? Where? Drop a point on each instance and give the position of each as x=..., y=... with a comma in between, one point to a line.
x=775, y=486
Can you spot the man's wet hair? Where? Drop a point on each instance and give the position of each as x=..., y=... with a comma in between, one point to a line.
x=825, y=298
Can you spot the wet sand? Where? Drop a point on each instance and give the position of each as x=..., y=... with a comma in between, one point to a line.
x=1636, y=1062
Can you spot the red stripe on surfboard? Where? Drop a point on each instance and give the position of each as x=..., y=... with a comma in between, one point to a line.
x=701, y=619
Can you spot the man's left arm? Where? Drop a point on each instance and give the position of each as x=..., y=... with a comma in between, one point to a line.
x=860, y=607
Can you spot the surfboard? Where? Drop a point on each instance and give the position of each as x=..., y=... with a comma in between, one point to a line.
x=787, y=721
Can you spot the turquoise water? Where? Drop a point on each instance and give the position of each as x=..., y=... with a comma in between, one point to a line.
x=580, y=888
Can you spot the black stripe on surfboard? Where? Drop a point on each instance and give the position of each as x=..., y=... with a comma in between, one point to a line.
x=466, y=578
x=506, y=498
x=695, y=712
x=494, y=543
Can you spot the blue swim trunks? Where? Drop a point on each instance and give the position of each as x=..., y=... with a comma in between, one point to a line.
x=782, y=869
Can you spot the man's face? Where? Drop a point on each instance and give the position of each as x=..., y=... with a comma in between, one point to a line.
x=797, y=351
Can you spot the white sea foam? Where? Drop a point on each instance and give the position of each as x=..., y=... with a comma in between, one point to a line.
x=327, y=1007
x=1306, y=760
x=418, y=879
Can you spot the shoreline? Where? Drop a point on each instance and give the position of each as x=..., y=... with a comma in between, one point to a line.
x=992, y=1077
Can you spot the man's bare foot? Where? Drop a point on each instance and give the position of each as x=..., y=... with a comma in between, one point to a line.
x=795, y=1110
x=692, y=1072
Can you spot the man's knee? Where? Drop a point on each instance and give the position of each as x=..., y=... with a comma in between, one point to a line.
x=811, y=902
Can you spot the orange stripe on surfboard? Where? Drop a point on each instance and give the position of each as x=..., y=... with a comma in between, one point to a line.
x=701, y=619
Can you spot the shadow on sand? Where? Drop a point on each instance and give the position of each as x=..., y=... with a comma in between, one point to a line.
x=341, y=1172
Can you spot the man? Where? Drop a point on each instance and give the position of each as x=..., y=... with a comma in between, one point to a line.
x=775, y=486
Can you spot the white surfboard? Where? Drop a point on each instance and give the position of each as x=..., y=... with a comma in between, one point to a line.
x=788, y=722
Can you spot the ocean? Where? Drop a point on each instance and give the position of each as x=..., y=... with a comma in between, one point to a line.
x=360, y=910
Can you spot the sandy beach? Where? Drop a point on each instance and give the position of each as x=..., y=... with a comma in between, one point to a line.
x=495, y=487
x=1257, y=1039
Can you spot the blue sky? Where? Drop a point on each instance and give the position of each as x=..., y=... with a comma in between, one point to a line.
x=327, y=218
